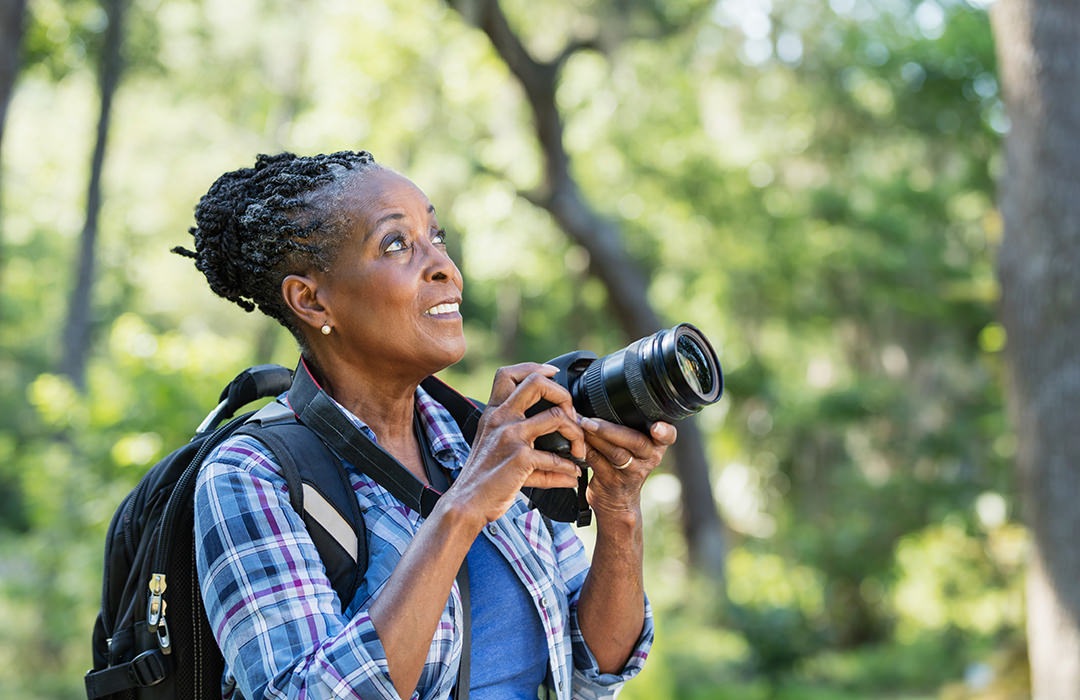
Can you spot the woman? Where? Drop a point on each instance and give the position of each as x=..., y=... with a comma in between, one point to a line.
x=349, y=257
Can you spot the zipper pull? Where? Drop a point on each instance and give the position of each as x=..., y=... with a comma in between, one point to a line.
x=155, y=609
x=164, y=642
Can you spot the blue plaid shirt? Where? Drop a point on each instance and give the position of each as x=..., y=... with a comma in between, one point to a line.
x=279, y=622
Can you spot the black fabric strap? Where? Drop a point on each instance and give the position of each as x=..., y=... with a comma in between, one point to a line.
x=439, y=480
x=147, y=669
x=318, y=411
x=302, y=461
x=466, y=411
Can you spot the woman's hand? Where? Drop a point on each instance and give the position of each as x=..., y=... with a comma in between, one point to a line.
x=503, y=458
x=621, y=458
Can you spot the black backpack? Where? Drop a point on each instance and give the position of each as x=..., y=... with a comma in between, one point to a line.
x=151, y=637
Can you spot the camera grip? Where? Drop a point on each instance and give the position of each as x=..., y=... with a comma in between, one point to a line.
x=565, y=505
x=551, y=442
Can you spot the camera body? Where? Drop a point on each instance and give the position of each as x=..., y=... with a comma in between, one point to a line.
x=666, y=376
x=571, y=366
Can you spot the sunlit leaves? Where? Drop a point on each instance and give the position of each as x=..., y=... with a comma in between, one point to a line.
x=61, y=35
x=947, y=580
x=65, y=36
x=809, y=182
x=137, y=449
x=56, y=401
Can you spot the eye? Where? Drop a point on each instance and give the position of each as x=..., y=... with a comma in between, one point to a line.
x=439, y=237
x=395, y=244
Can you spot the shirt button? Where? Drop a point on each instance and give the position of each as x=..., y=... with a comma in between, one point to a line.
x=493, y=528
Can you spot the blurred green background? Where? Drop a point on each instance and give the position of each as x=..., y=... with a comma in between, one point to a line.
x=809, y=182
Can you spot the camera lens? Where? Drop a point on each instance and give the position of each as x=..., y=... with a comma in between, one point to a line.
x=694, y=366
x=666, y=376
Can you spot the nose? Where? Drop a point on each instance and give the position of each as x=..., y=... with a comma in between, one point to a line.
x=439, y=266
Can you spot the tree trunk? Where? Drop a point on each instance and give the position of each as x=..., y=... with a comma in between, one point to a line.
x=1038, y=46
x=77, y=330
x=12, y=26
x=625, y=282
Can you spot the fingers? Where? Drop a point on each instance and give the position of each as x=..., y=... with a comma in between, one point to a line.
x=552, y=471
x=663, y=433
x=620, y=447
x=550, y=480
x=552, y=453
x=507, y=379
x=522, y=386
x=521, y=389
x=555, y=431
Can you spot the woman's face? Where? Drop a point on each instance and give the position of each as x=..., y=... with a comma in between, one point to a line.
x=393, y=292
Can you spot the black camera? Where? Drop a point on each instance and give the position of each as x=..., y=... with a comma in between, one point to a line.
x=666, y=376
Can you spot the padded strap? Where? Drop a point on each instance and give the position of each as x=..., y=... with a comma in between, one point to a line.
x=466, y=411
x=319, y=489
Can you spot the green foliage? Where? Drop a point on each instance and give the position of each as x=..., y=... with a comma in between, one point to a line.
x=65, y=36
x=811, y=184
x=779, y=639
x=873, y=210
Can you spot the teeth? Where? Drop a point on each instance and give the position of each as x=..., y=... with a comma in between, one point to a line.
x=442, y=309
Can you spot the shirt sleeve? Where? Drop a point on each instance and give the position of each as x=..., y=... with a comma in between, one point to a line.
x=268, y=600
x=588, y=682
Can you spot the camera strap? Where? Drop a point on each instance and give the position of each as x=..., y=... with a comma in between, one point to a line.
x=317, y=410
x=320, y=413
x=437, y=476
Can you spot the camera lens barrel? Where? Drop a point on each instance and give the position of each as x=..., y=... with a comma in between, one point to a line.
x=666, y=376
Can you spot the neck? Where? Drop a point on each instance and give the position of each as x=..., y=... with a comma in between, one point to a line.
x=386, y=407
x=385, y=404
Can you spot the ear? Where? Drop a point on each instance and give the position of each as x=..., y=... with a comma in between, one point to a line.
x=302, y=296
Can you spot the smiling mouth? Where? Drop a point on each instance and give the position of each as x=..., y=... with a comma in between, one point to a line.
x=442, y=309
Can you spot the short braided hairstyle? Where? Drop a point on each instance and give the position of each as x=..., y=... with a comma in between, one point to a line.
x=257, y=225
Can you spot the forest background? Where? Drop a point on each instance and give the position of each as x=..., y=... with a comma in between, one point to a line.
x=812, y=184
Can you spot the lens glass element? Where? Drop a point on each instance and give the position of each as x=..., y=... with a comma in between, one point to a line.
x=695, y=368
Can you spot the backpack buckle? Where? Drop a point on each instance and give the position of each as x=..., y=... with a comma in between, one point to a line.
x=147, y=669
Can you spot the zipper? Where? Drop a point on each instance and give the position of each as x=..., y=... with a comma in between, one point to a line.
x=156, y=603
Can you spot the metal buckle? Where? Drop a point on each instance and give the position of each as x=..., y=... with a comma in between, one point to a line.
x=147, y=669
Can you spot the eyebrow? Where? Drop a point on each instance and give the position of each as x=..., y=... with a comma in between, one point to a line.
x=395, y=216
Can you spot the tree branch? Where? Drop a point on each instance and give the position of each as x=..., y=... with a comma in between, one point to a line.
x=559, y=194
x=626, y=284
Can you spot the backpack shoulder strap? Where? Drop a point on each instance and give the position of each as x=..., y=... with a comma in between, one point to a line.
x=320, y=491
